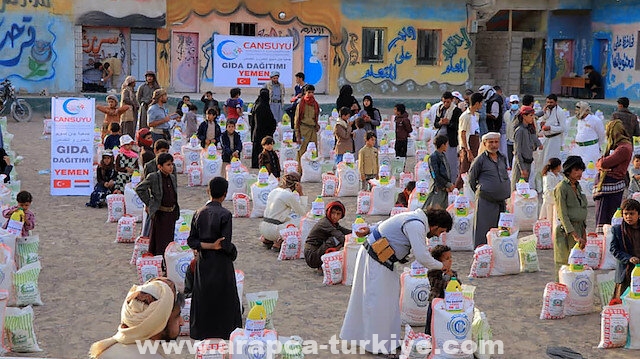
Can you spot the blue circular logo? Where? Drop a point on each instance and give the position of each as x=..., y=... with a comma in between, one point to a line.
x=508, y=248
x=420, y=295
x=582, y=285
x=459, y=326
x=228, y=50
x=463, y=225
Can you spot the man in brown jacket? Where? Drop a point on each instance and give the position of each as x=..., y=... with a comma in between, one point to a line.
x=368, y=160
x=306, y=121
x=326, y=234
x=628, y=118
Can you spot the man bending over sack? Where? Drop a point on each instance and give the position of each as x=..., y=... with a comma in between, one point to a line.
x=326, y=234
x=150, y=312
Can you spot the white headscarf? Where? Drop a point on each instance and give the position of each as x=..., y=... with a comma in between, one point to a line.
x=583, y=109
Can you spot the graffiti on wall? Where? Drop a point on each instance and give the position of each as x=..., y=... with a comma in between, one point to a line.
x=27, y=47
x=290, y=32
x=450, y=50
x=184, y=61
x=18, y=4
x=398, y=54
x=623, y=56
x=354, y=55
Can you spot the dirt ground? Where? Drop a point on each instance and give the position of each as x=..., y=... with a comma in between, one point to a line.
x=86, y=275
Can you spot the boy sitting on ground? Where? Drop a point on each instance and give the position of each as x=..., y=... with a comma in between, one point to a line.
x=326, y=234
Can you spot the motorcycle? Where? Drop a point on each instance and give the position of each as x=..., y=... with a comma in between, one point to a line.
x=20, y=109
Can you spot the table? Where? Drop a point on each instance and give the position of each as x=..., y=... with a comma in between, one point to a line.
x=571, y=83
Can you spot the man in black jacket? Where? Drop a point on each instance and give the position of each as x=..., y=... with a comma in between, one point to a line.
x=447, y=124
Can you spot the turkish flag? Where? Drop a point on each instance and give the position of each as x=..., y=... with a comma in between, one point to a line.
x=244, y=81
x=62, y=184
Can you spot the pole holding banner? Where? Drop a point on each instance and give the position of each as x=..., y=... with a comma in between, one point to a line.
x=72, y=134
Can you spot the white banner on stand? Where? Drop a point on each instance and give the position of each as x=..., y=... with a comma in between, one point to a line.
x=72, y=133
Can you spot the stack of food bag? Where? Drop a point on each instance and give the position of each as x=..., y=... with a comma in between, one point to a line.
x=288, y=152
x=524, y=204
x=348, y=177
x=504, y=242
x=260, y=192
x=211, y=165
x=311, y=167
x=236, y=174
x=414, y=294
x=451, y=326
x=383, y=193
x=581, y=285
x=177, y=259
x=418, y=196
x=191, y=151
x=461, y=238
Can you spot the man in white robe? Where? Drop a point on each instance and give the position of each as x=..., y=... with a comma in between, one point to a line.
x=552, y=127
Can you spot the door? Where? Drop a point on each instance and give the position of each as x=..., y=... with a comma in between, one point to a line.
x=562, y=62
x=184, y=61
x=143, y=55
x=532, y=67
x=316, y=71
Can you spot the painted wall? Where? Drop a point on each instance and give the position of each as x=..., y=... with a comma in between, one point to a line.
x=567, y=26
x=620, y=25
x=338, y=60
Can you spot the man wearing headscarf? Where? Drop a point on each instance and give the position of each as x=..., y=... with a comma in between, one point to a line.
x=158, y=116
x=276, y=94
x=590, y=134
x=326, y=234
x=613, y=172
x=150, y=312
x=525, y=143
x=489, y=179
x=129, y=117
x=495, y=108
x=111, y=113
x=281, y=203
x=145, y=95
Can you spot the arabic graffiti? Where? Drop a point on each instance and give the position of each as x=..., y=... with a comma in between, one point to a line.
x=390, y=71
x=24, y=3
x=453, y=42
x=26, y=46
x=101, y=43
x=623, y=62
x=623, y=56
x=624, y=42
x=408, y=32
x=312, y=30
x=459, y=67
x=291, y=32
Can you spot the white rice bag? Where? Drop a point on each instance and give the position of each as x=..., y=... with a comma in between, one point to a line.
x=115, y=207
x=27, y=250
x=528, y=255
x=482, y=262
x=306, y=225
x=9, y=239
x=185, y=313
x=191, y=153
x=133, y=204
x=241, y=205
x=525, y=208
x=332, y=267
x=553, y=301
x=363, y=202
x=414, y=298
x=505, y=252
x=614, y=325
x=25, y=284
x=212, y=348
x=140, y=247
x=240, y=284
x=460, y=237
x=288, y=153
x=259, y=197
x=593, y=250
x=329, y=185
x=194, y=174
x=125, y=233
x=291, y=243
x=311, y=169
x=7, y=270
x=382, y=198
x=633, y=305
x=348, y=180
x=237, y=181
x=542, y=231
x=450, y=326
x=416, y=345
x=148, y=268
x=608, y=260
x=19, y=330
x=581, y=290
x=177, y=261
x=269, y=300
x=245, y=347
x=178, y=163
x=351, y=249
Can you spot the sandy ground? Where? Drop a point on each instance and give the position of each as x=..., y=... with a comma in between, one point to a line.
x=86, y=276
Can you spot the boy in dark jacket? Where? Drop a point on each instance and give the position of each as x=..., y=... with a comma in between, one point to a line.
x=439, y=279
x=326, y=234
x=625, y=245
x=231, y=142
x=269, y=158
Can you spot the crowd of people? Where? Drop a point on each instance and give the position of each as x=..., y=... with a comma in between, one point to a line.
x=481, y=138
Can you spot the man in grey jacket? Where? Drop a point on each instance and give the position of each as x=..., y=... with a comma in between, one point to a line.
x=525, y=141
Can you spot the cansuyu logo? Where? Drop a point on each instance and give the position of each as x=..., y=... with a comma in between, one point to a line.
x=228, y=50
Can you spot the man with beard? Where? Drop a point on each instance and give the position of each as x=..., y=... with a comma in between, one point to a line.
x=447, y=124
x=552, y=127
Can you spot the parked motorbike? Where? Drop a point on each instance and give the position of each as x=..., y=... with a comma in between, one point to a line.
x=20, y=109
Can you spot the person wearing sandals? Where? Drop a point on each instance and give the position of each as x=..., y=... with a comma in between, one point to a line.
x=281, y=203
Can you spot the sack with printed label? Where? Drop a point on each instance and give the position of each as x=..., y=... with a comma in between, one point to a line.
x=608, y=261
x=140, y=247
x=633, y=305
x=332, y=267
x=178, y=163
x=125, y=232
x=349, y=258
x=27, y=250
x=363, y=203
x=398, y=210
x=505, y=252
x=614, y=325
x=211, y=348
x=311, y=169
x=542, y=231
x=289, y=167
x=185, y=313
x=291, y=243
x=525, y=208
x=177, y=261
x=593, y=250
x=194, y=174
x=329, y=185
x=460, y=237
x=383, y=198
x=7, y=271
x=482, y=262
x=148, y=268
x=348, y=180
x=259, y=196
x=553, y=301
x=115, y=207
x=528, y=255
x=241, y=205
x=132, y=202
x=414, y=298
x=581, y=290
x=416, y=345
x=25, y=284
x=450, y=327
x=19, y=330
x=264, y=346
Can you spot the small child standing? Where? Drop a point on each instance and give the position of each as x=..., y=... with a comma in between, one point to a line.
x=126, y=162
x=368, y=160
x=625, y=245
x=233, y=106
x=438, y=279
x=112, y=139
x=359, y=135
x=231, y=142
x=24, y=200
x=403, y=129
x=551, y=176
x=269, y=158
x=342, y=133
x=634, y=174
x=190, y=121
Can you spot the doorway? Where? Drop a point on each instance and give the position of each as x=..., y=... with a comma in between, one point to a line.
x=532, y=66
x=316, y=71
x=184, y=61
x=143, y=54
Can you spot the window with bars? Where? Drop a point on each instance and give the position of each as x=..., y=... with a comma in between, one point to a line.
x=242, y=29
x=372, y=44
x=428, y=47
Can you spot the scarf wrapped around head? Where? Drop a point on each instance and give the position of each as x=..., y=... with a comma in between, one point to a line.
x=583, y=109
x=139, y=320
x=289, y=180
x=616, y=134
x=128, y=81
x=140, y=136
